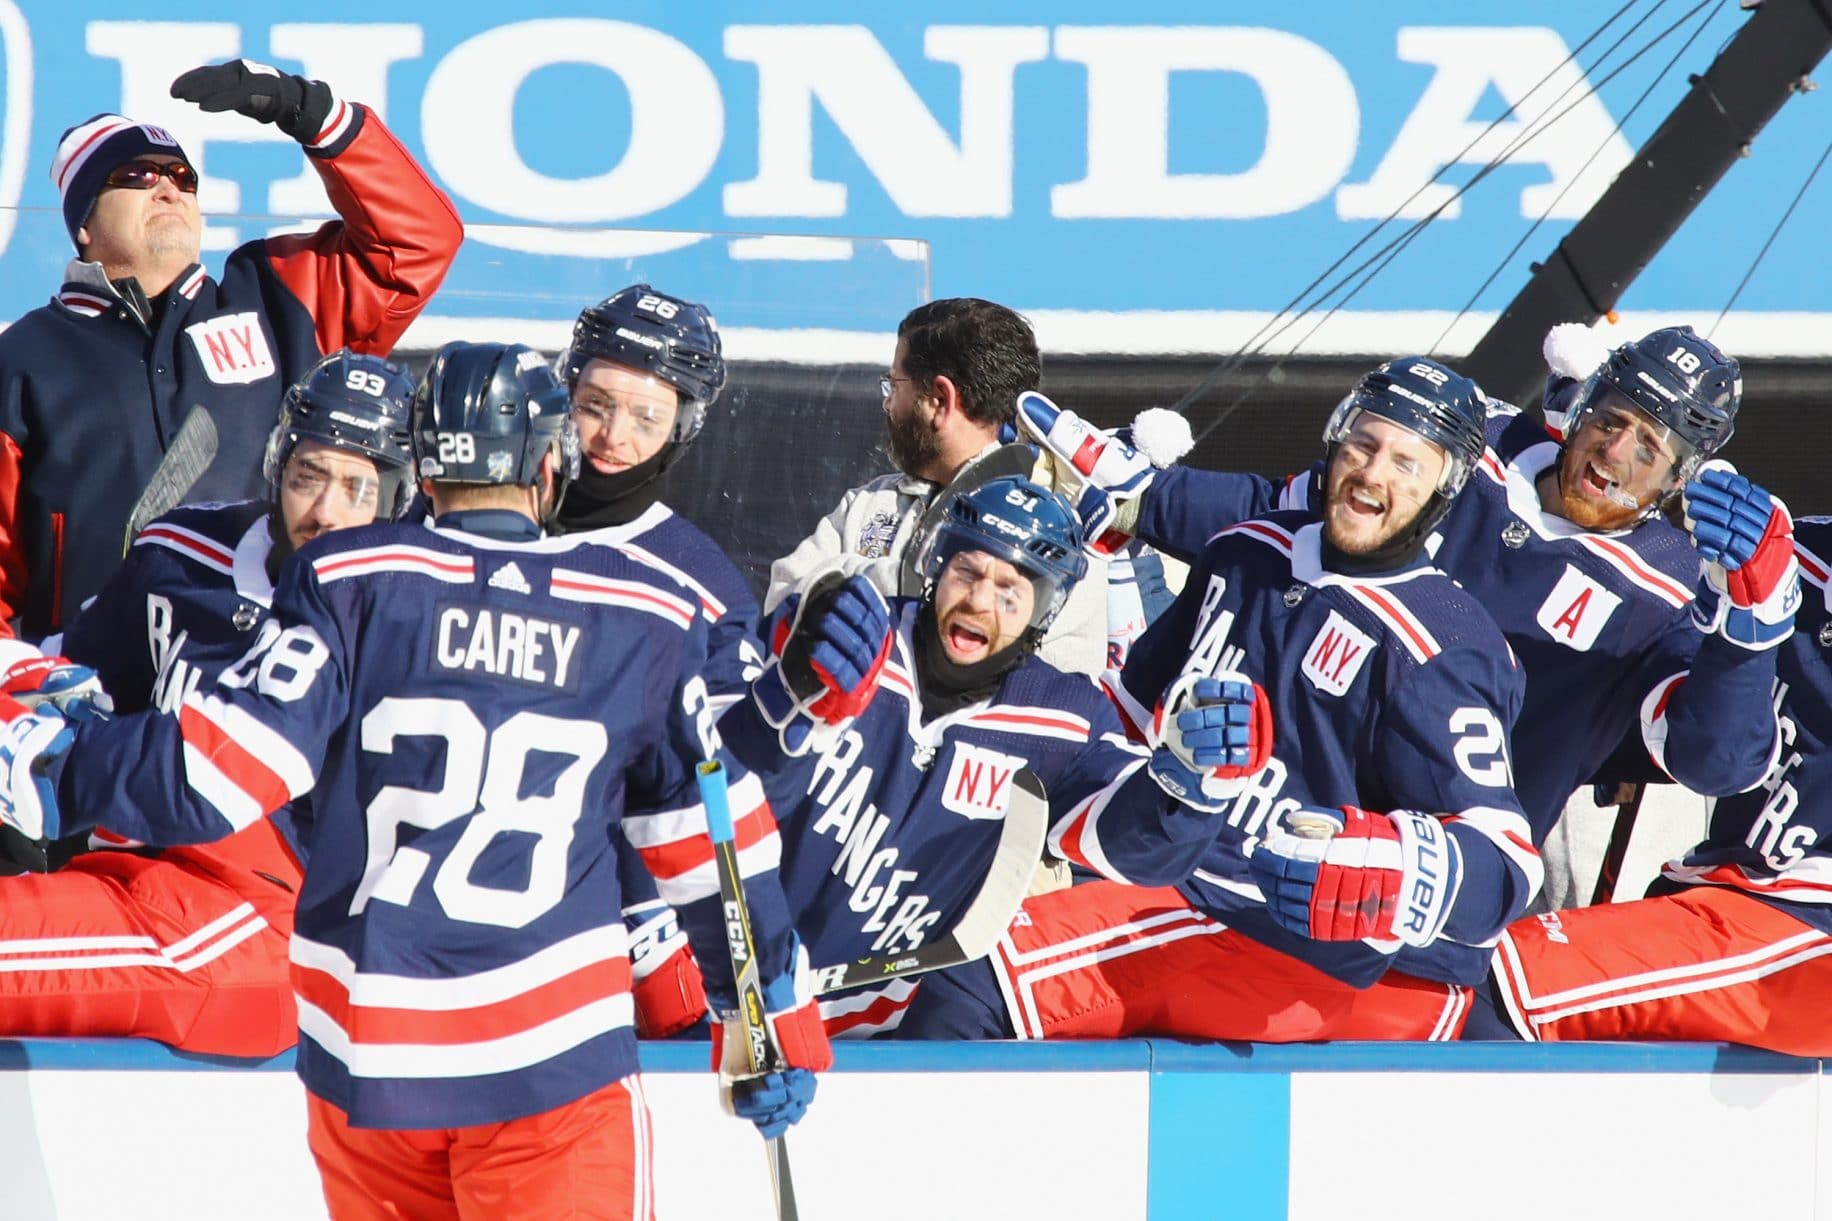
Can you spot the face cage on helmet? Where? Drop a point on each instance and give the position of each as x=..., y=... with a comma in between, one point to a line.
x=1601, y=391
x=1457, y=467
x=1049, y=592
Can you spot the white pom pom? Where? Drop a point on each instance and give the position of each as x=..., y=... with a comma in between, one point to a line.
x=1574, y=350
x=1162, y=436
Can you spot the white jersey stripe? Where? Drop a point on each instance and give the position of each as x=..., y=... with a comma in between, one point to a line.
x=190, y=544
x=523, y=1049
x=371, y=990
x=396, y=557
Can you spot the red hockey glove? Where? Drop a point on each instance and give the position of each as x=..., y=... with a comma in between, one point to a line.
x=1358, y=874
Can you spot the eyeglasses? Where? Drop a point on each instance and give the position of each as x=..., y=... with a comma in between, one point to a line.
x=145, y=175
x=648, y=420
x=887, y=382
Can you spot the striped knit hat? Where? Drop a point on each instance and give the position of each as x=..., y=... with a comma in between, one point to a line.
x=94, y=148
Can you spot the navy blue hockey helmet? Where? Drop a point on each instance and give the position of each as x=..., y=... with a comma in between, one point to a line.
x=672, y=340
x=356, y=403
x=1030, y=527
x=1432, y=400
x=488, y=413
x=1682, y=381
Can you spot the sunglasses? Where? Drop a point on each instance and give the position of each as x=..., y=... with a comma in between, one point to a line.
x=145, y=175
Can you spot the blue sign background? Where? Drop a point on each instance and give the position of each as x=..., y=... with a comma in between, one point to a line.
x=997, y=216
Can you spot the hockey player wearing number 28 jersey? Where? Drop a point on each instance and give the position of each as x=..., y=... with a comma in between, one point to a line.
x=482, y=717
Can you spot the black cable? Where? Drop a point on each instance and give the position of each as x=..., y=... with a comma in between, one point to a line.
x=1773, y=234
x=1385, y=256
x=1254, y=342
x=1597, y=152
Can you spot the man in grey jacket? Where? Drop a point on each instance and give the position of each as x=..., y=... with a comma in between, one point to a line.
x=959, y=367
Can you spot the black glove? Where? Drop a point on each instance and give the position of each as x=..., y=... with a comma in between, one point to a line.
x=295, y=105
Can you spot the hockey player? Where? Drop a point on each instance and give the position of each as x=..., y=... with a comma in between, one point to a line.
x=891, y=812
x=94, y=385
x=1735, y=942
x=643, y=369
x=959, y=365
x=189, y=945
x=1559, y=537
x=473, y=707
x=1384, y=835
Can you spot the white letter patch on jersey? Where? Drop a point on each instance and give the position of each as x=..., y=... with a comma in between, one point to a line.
x=1576, y=611
x=1336, y=654
x=232, y=349
x=979, y=781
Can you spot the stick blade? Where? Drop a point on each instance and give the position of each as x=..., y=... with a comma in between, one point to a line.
x=1007, y=881
x=190, y=455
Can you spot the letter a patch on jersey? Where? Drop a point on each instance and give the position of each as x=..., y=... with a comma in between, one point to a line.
x=979, y=781
x=1576, y=611
x=1336, y=655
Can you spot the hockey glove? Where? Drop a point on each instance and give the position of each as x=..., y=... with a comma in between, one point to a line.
x=1356, y=874
x=73, y=690
x=1749, y=582
x=779, y=1095
x=31, y=740
x=825, y=661
x=1102, y=475
x=1211, y=736
x=295, y=105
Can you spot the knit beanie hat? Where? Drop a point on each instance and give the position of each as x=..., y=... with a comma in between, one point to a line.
x=93, y=149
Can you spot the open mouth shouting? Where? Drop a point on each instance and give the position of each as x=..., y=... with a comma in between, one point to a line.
x=968, y=638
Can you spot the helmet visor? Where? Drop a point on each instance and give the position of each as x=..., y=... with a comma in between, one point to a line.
x=1655, y=451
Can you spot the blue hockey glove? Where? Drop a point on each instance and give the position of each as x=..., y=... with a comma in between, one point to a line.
x=777, y=1094
x=72, y=689
x=1099, y=473
x=1749, y=581
x=825, y=660
x=1355, y=874
x=31, y=740
x=1211, y=735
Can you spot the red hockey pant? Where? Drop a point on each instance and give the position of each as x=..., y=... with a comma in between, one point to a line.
x=583, y=1161
x=1104, y=961
x=1707, y=964
x=189, y=947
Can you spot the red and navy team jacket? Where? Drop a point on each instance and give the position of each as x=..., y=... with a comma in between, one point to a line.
x=91, y=396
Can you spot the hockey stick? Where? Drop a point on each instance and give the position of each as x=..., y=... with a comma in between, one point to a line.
x=1020, y=847
x=191, y=452
x=761, y=1050
x=1611, y=869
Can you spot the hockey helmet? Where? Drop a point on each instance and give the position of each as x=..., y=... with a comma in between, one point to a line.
x=355, y=403
x=672, y=340
x=1430, y=399
x=1030, y=527
x=1683, y=382
x=488, y=413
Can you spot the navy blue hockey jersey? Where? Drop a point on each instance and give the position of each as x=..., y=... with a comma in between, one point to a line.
x=185, y=603
x=888, y=829
x=1392, y=691
x=1775, y=842
x=473, y=716
x=1598, y=620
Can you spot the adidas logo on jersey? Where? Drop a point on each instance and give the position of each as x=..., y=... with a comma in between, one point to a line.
x=510, y=577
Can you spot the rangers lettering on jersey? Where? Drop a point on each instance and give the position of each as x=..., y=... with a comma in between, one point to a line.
x=521, y=647
x=1576, y=610
x=1336, y=655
